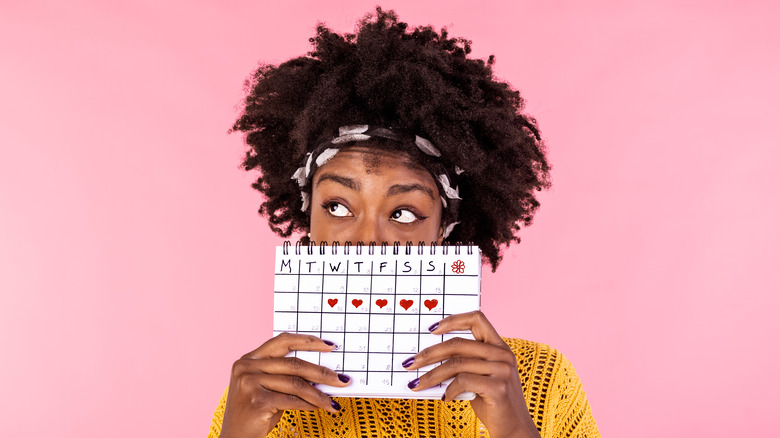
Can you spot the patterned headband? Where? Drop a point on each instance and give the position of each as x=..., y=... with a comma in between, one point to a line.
x=352, y=133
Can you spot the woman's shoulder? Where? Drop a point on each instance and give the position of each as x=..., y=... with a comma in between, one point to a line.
x=553, y=390
x=534, y=352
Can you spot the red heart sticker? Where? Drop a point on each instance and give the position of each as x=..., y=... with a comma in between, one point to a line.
x=357, y=302
x=406, y=304
x=430, y=304
x=333, y=301
x=381, y=303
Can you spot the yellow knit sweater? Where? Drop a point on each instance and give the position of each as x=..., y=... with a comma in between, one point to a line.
x=552, y=391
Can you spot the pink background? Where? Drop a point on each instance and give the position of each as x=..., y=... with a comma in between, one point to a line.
x=134, y=270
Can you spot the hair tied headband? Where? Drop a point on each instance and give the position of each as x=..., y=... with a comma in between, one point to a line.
x=352, y=133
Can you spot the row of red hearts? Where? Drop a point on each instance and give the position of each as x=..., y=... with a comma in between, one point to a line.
x=406, y=304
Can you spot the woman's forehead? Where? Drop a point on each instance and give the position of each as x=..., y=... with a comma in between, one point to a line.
x=372, y=160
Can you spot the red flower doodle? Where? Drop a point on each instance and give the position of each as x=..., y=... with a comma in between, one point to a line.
x=458, y=267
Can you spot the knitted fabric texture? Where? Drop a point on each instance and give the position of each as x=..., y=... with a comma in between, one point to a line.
x=552, y=390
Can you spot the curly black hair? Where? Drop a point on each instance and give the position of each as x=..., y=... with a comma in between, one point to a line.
x=417, y=81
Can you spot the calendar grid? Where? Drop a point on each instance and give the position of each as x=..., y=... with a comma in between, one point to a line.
x=376, y=307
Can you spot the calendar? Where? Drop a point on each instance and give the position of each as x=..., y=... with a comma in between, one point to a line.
x=376, y=304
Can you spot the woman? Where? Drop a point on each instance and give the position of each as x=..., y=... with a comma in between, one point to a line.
x=393, y=135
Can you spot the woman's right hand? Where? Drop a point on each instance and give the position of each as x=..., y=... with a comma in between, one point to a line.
x=264, y=383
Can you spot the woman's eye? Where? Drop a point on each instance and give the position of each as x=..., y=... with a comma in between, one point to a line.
x=403, y=216
x=337, y=209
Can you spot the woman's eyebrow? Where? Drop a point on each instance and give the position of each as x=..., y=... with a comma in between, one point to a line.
x=343, y=180
x=396, y=189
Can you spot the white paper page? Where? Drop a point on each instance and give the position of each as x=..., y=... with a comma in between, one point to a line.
x=376, y=304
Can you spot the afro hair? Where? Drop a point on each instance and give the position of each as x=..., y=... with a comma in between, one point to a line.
x=417, y=81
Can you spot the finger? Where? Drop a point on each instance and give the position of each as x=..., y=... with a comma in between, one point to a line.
x=476, y=322
x=297, y=387
x=460, y=347
x=462, y=365
x=285, y=343
x=293, y=366
x=292, y=402
x=464, y=382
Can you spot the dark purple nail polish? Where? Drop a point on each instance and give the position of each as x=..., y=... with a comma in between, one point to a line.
x=443, y=396
x=344, y=378
x=433, y=327
x=335, y=405
x=408, y=362
x=413, y=384
x=328, y=343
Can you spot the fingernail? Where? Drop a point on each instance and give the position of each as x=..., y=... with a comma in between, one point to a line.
x=328, y=343
x=335, y=405
x=433, y=327
x=408, y=362
x=443, y=396
x=413, y=384
x=344, y=378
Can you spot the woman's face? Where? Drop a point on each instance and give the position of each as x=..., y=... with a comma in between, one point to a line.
x=365, y=194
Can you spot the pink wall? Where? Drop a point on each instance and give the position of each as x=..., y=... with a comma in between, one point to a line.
x=132, y=262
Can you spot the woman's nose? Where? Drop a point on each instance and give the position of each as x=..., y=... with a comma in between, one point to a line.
x=370, y=229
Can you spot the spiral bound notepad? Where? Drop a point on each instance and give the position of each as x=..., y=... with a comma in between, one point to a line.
x=376, y=303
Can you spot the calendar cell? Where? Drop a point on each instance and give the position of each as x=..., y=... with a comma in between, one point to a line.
x=381, y=323
x=461, y=284
x=460, y=304
x=333, y=322
x=359, y=284
x=334, y=284
x=356, y=343
x=383, y=304
x=383, y=285
x=334, y=303
x=335, y=337
x=380, y=343
x=286, y=283
x=380, y=379
x=356, y=323
x=309, y=323
x=310, y=283
x=407, y=324
x=380, y=362
x=286, y=322
x=285, y=302
x=355, y=363
x=405, y=343
x=408, y=285
x=432, y=285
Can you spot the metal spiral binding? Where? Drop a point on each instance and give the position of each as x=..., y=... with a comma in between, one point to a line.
x=445, y=246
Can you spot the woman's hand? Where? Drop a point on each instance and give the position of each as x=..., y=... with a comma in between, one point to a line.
x=264, y=383
x=485, y=366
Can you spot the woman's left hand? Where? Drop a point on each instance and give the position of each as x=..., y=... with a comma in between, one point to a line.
x=485, y=366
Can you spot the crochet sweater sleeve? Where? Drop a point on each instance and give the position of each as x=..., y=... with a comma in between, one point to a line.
x=553, y=393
